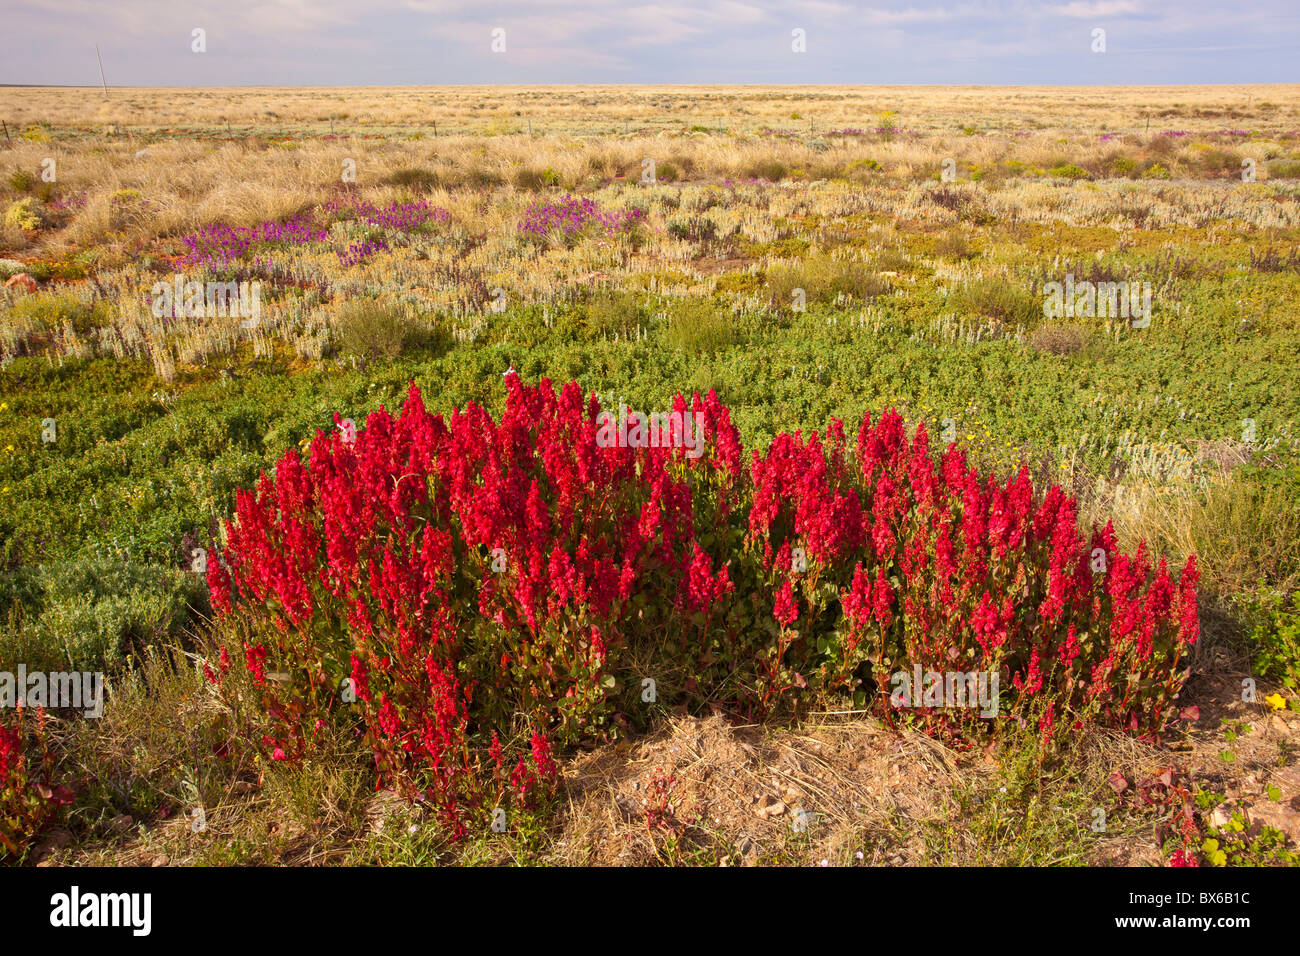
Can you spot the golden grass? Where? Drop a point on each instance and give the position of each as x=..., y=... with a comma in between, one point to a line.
x=596, y=109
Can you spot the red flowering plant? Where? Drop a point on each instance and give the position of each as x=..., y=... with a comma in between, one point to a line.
x=958, y=574
x=29, y=797
x=898, y=565
x=463, y=582
x=458, y=579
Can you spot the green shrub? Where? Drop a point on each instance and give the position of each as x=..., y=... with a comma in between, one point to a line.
x=371, y=331
x=608, y=314
x=25, y=214
x=769, y=169
x=413, y=178
x=952, y=245
x=667, y=172
x=530, y=178
x=1123, y=165
x=46, y=315
x=890, y=259
x=701, y=326
x=998, y=299
x=694, y=229
x=1275, y=636
x=1156, y=171
x=1284, y=169
x=738, y=282
x=1220, y=161
x=93, y=612
x=824, y=280
x=1068, y=171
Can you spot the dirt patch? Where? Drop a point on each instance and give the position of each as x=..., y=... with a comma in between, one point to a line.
x=830, y=792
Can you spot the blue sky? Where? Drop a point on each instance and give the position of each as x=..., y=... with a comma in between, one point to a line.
x=417, y=42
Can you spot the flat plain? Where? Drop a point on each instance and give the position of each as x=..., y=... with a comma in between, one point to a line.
x=806, y=253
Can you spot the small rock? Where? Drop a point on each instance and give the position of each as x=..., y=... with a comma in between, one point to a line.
x=1220, y=817
x=121, y=823
x=160, y=861
x=21, y=280
x=56, y=839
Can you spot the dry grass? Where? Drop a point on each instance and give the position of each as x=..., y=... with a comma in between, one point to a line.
x=594, y=110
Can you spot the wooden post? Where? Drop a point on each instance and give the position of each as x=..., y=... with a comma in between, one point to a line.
x=530, y=126
x=435, y=129
x=6, y=126
x=229, y=135
x=331, y=126
x=101, y=69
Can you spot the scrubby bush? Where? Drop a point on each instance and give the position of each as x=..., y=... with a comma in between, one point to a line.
x=413, y=178
x=953, y=245
x=1068, y=171
x=824, y=280
x=93, y=612
x=1284, y=169
x=772, y=170
x=1000, y=300
x=1219, y=161
x=701, y=326
x=1058, y=339
x=694, y=229
x=608, y=314
x=529, y=178
x=25, y=214
x=371, y=331
x=9, y=267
